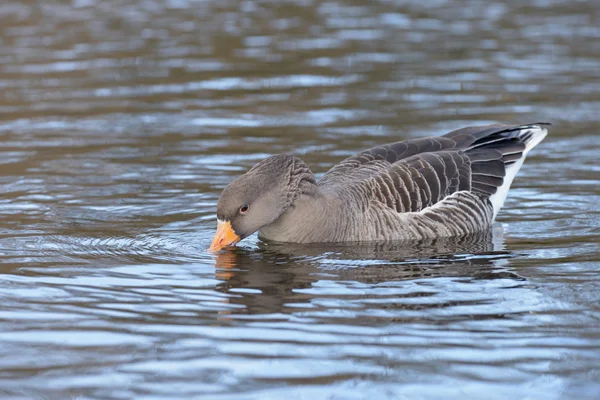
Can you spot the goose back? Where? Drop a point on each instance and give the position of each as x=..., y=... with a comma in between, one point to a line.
x=440, y=186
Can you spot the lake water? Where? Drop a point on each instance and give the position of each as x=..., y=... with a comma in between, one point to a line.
x=121, y=121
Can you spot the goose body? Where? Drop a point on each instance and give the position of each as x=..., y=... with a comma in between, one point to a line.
x=419, y=188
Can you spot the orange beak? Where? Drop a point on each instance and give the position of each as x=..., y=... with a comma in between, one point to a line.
x=225, y=236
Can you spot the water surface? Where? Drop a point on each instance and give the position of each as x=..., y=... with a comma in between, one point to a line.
x=121, y=121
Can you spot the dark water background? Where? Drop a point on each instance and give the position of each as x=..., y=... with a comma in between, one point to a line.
x=121, y=121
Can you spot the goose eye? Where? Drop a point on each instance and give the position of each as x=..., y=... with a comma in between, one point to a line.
x=244, y=208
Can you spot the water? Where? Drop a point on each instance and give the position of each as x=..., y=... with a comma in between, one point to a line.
x=121, y=122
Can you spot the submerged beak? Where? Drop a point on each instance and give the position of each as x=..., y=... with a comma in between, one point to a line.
x=225, y=236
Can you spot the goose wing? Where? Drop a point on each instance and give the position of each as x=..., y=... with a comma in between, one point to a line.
x=412, y=175
x=423, y=180
x=373, y=161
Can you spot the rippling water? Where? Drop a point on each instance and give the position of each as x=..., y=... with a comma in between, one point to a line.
x=121, y=122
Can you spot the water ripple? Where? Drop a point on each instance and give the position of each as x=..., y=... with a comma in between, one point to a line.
x=123, y=120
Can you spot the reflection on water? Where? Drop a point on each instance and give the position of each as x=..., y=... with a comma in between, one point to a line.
x=269, y=289
x=121, y=122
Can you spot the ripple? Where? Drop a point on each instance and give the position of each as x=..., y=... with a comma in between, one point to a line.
x=122, y=122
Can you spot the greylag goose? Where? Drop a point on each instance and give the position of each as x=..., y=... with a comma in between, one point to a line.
x=414, y=189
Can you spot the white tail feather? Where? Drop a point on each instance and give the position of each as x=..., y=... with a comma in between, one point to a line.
x=538, y=133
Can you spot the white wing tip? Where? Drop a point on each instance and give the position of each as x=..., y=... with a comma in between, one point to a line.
x=538, y=132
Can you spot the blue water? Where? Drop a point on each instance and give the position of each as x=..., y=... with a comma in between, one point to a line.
x=122, y=121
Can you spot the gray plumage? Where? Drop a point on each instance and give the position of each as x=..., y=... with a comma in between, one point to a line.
x=419, y=188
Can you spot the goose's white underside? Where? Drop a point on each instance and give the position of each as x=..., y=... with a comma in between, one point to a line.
x=498, y=198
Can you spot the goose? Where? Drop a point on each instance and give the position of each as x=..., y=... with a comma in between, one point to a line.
x=414, y=189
